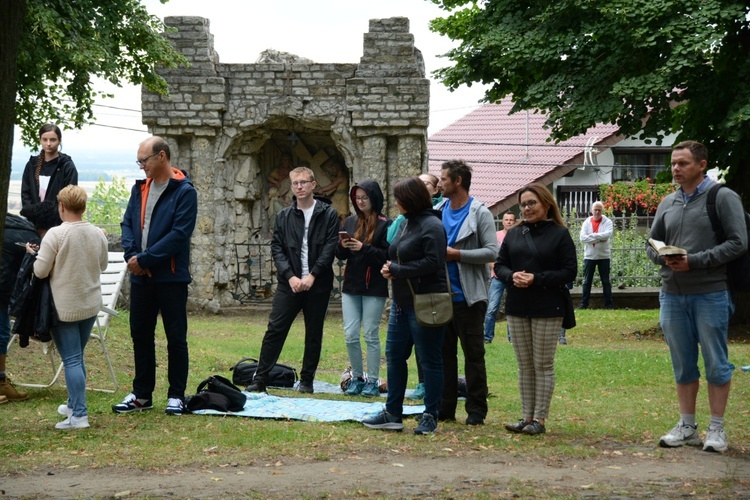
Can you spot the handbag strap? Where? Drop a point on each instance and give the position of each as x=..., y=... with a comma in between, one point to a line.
x=408, y=281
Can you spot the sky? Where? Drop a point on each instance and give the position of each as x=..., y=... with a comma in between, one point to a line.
x=326, y=31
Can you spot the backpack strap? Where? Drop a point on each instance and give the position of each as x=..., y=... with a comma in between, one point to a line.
x=713, y=215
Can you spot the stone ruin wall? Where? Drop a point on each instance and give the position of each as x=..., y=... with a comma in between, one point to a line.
x=229, y=124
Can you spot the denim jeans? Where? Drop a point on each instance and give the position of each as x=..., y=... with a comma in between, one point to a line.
x=146, y=302
x=690, y=320
x=589, y=266
x=404, y=332
x=70, y=339
x=497, y=288
x=4, y=328
x=363, y=311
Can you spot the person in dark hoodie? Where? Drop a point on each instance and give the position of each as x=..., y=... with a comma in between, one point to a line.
x=17, y=230
x=364, y=246
x=156, y=230
x=305, y=237
x=416, y=255
x=46, y=174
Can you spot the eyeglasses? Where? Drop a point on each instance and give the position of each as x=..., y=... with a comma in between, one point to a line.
x=362, y=198
x=142, y=162
x=300, y=183
x=530, y=204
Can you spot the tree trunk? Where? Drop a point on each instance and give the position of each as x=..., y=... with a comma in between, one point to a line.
x=12, y=13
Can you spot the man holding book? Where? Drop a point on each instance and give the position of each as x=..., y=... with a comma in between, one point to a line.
x=695, y=300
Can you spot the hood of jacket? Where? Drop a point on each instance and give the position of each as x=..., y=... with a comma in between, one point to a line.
x=372, y=189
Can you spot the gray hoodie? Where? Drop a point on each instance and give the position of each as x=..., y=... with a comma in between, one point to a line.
x=688, y=226
x=477, y=242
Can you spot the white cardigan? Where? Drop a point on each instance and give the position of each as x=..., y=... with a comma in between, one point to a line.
x=73, y=255
x=596, y=245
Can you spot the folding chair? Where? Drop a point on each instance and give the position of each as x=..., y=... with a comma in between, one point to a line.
x=111, y=279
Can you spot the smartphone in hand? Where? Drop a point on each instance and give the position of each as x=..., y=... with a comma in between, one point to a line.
x=343, y=236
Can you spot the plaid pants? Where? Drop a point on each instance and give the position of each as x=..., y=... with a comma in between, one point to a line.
x=535, y=343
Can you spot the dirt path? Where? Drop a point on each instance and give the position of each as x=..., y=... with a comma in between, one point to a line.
x=674, y=473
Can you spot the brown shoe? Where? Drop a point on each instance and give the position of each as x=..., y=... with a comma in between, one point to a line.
x=8, y=390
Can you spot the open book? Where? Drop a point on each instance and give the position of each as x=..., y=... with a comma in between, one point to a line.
x=664, y=250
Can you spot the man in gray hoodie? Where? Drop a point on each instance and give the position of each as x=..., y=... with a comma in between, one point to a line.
x=472, y=244
x=695, y=300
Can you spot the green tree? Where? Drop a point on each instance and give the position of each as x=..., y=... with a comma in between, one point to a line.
x=107, y=204
x=652, y=65
x=50, y=53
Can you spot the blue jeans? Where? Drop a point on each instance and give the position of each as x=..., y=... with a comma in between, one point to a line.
x=363, y=311
x=70, y=339
x=404, y=332
x=589, y=266
x=690, y=320
x=497, y=288
x=4, y=328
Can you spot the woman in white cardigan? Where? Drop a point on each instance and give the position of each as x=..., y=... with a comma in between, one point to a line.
x=73, y=255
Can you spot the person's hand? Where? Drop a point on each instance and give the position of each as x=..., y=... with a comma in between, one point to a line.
x=386, y=270
x=352, y=244
x=294, y=283
x=32, y=248
x=453, y=254
x=522, y=279
x=135, y=268
x=677, y=263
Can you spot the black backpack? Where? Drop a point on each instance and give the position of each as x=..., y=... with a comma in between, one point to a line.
x=279, y=376
x=738, y=270
x=216, y=393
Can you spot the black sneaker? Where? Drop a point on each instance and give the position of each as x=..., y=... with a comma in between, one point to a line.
x=305, y=388
x=385, y=421
x=131, y=404
x=474, y=419
x=518, y=426
x=427, y=425
x=256, y=385
x=534, y=428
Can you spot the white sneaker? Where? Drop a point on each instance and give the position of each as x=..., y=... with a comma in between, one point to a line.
x=65, y=410
x=681, y=435
x=73, y=423
x=716, y=440
x=175, y=406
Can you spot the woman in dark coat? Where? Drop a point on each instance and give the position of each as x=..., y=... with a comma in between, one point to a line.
x=364, y=247
x=45, y=175
x=536, y=260
x=416, y=255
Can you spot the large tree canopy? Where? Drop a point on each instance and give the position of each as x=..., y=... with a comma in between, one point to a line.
x=59, y=47
x=675, y=65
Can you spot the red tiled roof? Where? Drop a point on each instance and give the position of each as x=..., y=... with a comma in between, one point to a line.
x=494, y=144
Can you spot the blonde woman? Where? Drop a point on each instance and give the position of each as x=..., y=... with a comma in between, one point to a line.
x=73, y=255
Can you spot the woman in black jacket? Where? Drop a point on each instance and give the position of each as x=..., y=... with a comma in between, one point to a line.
x=45, y=175
x=536, y=260
x=364, y=246
x=417, y=254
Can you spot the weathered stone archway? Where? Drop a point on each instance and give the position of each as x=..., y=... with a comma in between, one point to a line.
x=236, y=127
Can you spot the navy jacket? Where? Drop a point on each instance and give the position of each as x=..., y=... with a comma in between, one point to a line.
x=172, y=222
x=362, y=272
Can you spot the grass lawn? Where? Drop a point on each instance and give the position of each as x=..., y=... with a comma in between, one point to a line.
x=614, y=390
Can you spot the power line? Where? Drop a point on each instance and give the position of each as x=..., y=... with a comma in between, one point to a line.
x=654, y=149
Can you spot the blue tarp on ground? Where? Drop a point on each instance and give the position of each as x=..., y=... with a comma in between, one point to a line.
x=262, y=405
